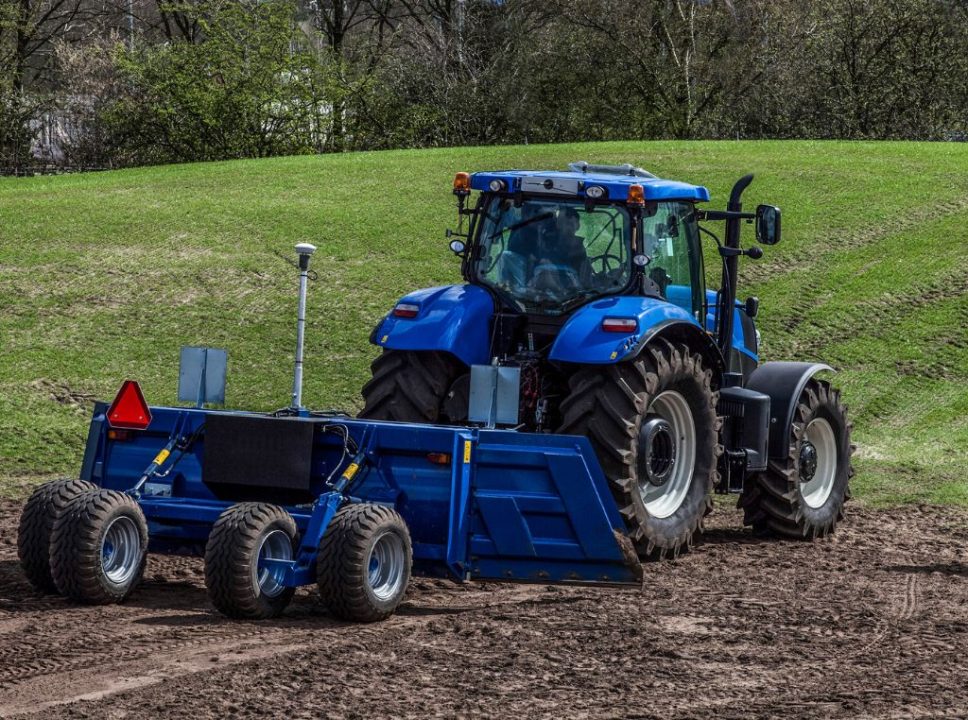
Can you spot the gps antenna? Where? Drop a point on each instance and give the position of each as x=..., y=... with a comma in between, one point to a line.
x=305, y=252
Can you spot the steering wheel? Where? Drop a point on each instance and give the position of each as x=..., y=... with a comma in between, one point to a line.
x=607, y=259
x=554, y=278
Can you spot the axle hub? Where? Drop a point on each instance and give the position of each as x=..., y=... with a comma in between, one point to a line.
x=808, y=461
x=657, y=451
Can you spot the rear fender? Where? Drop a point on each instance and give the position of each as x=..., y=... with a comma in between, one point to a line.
x=453, y=319
x=583, y=341
x=783, y=382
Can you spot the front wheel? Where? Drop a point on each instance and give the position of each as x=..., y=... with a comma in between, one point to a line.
x=803, y=495
x=653, y=425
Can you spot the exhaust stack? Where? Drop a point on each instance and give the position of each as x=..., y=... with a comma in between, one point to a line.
x=305, y=252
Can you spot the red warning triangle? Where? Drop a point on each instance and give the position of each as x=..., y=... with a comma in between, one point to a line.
x=129, y=409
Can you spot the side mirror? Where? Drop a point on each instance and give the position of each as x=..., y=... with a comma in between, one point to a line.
x=458, y=247
x=768, y=224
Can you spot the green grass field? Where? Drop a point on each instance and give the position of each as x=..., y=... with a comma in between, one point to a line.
x=104, y=276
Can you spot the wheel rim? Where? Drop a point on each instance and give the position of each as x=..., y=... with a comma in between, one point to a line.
x=268, y=579
x=385, y=567
x=121, y=550
x=820, y=435
x=663, y=500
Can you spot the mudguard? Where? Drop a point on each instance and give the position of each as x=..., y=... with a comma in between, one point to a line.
x=453, y=318
x=582, y=339
x=783, y=382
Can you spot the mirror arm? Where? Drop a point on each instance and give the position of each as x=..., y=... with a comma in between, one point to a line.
x=724, y=215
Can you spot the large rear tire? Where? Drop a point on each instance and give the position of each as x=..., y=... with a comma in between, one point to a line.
x=46, y=504
x=364, y=563
x=98, y=548
x=654, y=428
x=415, y=387
x=239, y=584
x=803, y=495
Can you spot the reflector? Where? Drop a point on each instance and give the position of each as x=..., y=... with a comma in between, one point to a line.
x=129, y=409
x=622, y=325
x=406, y=310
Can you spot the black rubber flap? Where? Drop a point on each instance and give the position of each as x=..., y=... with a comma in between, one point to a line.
x=258, y=451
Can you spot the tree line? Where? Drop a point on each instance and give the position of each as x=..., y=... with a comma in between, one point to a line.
x=110, y=83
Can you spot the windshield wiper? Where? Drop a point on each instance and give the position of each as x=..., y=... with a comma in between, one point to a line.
x=520, y=224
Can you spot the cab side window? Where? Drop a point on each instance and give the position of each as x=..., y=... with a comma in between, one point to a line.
x=670, y=242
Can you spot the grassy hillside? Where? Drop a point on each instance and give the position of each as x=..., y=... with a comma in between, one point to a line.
x=105, y=276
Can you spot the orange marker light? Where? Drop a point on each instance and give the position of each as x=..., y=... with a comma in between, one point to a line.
x=462, y=183
x=636, y=196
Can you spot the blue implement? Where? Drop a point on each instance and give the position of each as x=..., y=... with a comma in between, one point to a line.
x=479, y=504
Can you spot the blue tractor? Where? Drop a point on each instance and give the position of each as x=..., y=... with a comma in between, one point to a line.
x=564, y=414
x=591, y=283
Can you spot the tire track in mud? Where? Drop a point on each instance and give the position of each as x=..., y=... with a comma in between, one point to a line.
x=911, y=598
x=804, y=259
x=143, y=646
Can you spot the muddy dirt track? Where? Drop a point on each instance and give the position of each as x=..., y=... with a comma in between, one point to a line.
x=871, y=623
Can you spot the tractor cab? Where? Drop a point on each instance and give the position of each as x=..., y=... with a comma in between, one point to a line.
x=546, y=243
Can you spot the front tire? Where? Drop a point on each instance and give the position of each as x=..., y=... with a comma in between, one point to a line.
x=421, y=387
x=803, y=495
x=239, y=584
x=46, y=504
x=99, y=546
x=653, y=425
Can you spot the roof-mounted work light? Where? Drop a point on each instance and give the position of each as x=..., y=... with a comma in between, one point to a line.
x=636, y=196
x=462, y=184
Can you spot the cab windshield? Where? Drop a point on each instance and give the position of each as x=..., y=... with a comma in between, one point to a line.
x=549, y=255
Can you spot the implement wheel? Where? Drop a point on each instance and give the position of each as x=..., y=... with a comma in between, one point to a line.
x=803, y=495
x=46, y=504
x=240, y=584
x=364, y=563
x=425, y=387
x=99, y=546
x=654, y=428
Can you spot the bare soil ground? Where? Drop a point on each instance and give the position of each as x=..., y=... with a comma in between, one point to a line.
x=871, y=623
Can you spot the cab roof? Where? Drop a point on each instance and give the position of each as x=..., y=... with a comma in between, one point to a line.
x=573, y=183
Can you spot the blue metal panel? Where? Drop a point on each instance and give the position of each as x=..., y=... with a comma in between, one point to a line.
x=505, y=524
x=452, y=319
x=95, y=435
x=582, y=339
x=712, y=310
x=656, y=189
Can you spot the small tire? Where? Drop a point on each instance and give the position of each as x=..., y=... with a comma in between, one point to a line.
x=243, y=535
x=42, y=509
x=778, y=501
x=99, y=546
x=364, y=563
x=415, y=387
